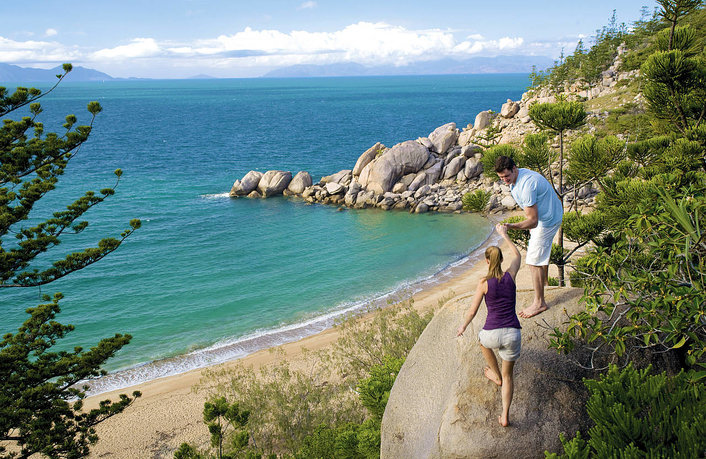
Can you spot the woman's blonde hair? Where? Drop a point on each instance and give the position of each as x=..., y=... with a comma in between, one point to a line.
x=495, y=258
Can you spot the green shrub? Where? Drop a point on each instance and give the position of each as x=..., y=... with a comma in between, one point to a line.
x=331, y=443
x=476, y=201
x=641, y=415
x=488, y=159
x=187, y=451
x=553, y=281
x=644, y=283
x=519, y=237
x=375, y=390
x=576, y=279
x=536, y=153
x=356, y=440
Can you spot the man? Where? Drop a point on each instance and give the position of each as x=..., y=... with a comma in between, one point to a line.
x=543, y=212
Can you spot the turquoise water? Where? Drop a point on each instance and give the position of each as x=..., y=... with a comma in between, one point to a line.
x=208, y=278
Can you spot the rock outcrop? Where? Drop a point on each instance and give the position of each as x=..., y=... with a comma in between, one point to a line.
x=369, y=155
x=509, y=109
x=382, y=173
x=442, y=406
x=247, y=184
x=444, y=137
x=482, y=120
x=274, y=182
x=299, y=183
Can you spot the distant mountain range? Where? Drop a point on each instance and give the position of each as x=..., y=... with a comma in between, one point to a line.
x=202, y=76
x=15, y=74
x=498, y=64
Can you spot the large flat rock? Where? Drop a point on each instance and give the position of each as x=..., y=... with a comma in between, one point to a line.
x=442, y=406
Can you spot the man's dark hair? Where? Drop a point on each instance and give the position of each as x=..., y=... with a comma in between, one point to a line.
x=504, y=162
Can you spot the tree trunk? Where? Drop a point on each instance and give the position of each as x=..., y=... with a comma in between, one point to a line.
x=561, y=199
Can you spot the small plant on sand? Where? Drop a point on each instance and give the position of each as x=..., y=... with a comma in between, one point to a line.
x=218, y=415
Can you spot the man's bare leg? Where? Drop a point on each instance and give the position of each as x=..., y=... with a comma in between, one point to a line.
x=492, y=371
x=539, y=277
x=545, y=272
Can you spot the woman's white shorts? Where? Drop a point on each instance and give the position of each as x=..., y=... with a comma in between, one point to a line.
x=508, y=342
x=539, y=247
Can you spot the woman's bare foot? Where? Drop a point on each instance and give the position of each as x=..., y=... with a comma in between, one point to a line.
x=533, y=310
x=490, y=374
x=503, y=421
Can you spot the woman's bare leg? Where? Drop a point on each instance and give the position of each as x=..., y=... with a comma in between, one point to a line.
x=492, y=371
x=507, y=390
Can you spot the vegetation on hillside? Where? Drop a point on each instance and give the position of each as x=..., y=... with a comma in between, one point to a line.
x=644, y=271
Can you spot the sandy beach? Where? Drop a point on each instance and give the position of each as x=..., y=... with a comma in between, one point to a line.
x=170, y=412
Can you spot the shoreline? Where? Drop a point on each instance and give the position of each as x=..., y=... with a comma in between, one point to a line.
x=169, y=411
x=224, y=351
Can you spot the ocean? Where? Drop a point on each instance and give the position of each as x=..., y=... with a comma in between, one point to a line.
x=209, y=278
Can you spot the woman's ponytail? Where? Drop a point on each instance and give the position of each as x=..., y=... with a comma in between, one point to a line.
x=495, y=258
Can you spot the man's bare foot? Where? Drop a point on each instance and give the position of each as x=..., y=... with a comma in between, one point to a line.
x=533, y=310
x=490, y=374
x=503, y=421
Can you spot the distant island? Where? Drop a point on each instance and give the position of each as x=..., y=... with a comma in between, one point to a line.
x=10, y=73
x=14, y=73
x=498, y=64
x=202, y=76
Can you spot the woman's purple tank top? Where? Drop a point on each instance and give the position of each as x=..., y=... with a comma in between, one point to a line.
x=500, y=301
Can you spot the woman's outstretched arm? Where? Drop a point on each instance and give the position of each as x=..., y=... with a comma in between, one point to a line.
x=515, y=261
x=481, y=290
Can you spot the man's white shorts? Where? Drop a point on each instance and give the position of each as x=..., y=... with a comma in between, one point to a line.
x=539, y=247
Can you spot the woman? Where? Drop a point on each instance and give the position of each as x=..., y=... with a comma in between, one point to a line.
x=502, y=328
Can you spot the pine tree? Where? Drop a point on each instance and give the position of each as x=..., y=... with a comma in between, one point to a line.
x=672, y=10
x=559, y=117
x=42, y=391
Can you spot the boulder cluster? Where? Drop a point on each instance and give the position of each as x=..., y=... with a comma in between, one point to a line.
x=431, y=173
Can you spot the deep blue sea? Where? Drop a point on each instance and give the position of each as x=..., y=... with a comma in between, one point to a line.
x=209, y=278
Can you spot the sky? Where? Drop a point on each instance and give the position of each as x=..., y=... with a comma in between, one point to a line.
x=234, y=38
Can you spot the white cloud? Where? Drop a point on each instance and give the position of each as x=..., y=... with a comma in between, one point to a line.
x=488, y=46
x=139, y=47
x=307, y=5
x=368, y=43
x=50, y=32
x=35, y=52
x=364, y=42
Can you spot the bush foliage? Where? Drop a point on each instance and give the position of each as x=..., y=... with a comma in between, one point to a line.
x=476, y=201
x=638, y=414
